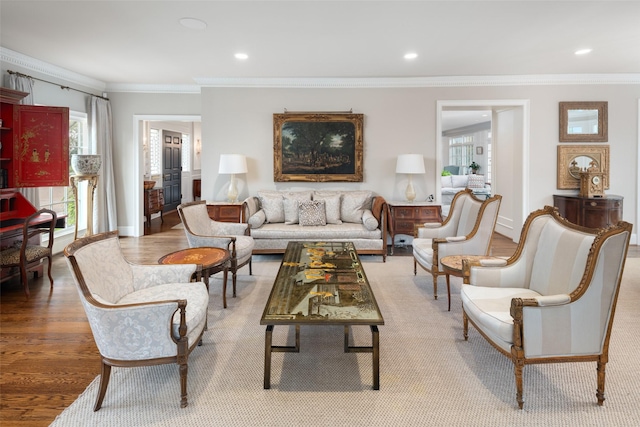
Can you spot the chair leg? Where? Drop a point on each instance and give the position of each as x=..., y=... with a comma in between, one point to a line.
x=435, y=285
x=234, y=275
x=225, y=275
x=600, y=391
x=518, y=366
x=250, y=267
x=184, y=369
x=49, y=271
x=25, y=280
x=415, y=267
x=105, y=374
x=465, y=326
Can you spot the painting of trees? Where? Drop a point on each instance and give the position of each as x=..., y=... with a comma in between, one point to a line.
x=318, y=147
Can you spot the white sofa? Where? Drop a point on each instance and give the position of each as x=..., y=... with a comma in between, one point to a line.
x=277, y=217
x=452, y=184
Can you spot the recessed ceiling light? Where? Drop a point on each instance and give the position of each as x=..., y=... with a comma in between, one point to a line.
x=241, y=56
x=582, y=51
x=410, y=55
x=193, y=23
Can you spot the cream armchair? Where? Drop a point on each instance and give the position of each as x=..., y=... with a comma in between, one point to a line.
x=554, y=299
x=202, y=231
x=139, y=314
x=467, y=230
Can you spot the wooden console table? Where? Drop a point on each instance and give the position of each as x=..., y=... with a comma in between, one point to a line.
x=225, y=211
x=153, y=203
x=595, y=212
x=405, y=215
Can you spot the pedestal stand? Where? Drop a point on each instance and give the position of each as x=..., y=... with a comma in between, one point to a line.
x=92, y=183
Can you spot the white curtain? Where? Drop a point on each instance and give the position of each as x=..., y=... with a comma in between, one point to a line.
x=101, y=128
x=25, y=84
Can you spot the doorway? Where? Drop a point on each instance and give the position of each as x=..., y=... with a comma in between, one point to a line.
x=509, y=149
x=141, y=125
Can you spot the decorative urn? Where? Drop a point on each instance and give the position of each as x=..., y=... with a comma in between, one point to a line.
x=86, y=164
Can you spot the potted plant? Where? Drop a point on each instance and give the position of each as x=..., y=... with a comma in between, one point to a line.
x=474, y=167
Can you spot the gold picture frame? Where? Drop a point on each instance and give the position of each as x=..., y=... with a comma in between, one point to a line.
x=584, y=121
x=573, y=158
x=318, y=147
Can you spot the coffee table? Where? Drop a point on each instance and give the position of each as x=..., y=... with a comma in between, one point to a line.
x=452, y=265
x=321, y=284
x=211, y=260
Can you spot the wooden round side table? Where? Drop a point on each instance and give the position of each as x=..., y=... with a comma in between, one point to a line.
x=452, y=265
x=212, y=260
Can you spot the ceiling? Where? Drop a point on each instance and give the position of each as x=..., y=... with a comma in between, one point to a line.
x=143, y=43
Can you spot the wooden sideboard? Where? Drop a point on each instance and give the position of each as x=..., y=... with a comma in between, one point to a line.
x=405, y=215
x=153, y=203
x=596, y=212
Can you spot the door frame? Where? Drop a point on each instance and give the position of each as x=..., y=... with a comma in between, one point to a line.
x=138, y=132
x=522, y=199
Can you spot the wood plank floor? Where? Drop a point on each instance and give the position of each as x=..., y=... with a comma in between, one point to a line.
x=47, y=353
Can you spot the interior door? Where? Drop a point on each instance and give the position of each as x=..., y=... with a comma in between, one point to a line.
x=171, y=169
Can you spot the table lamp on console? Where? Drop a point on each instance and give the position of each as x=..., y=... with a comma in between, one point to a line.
x=233, y=164
x=410, y=164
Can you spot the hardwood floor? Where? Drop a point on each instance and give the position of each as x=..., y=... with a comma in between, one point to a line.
x=47, y=353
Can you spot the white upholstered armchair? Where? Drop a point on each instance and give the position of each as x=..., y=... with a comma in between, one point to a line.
x=554, y=299
x=139, y=314
x=202, y=231
x=467, y=230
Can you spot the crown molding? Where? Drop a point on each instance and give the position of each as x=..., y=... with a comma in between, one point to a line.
x=152, y=88
x=413, y=82
x=8, y=56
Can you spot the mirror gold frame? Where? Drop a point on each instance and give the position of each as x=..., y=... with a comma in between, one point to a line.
x=599, y=135
x=569, y=153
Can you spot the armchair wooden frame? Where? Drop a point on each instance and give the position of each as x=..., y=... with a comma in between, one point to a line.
x=182, y=342
x=517, y=351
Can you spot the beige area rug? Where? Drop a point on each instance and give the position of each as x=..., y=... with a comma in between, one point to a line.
x=429, y=375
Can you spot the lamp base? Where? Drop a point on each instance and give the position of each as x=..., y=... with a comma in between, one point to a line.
x=232, y=194
x=410, y=193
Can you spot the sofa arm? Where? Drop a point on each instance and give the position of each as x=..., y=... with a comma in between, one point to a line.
x=250, y=206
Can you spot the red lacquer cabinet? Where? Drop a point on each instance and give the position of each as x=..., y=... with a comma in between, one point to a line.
x=35, y=143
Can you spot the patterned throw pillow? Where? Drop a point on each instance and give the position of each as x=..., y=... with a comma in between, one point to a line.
x=369, y=221
x=312, y=213
x=475, y=181
x=257, y=219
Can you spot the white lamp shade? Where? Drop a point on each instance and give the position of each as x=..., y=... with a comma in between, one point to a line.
x=233, y=163
x=410, y=163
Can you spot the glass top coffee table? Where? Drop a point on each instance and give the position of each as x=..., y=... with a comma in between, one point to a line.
x=321, y=284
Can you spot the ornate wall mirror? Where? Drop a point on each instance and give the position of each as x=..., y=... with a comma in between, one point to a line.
x=583, y=122
x=573, y=158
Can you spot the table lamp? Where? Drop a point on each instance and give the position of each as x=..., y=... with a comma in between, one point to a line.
x=233, y=164
x=410, y=164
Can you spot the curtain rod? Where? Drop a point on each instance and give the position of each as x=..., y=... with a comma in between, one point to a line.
x=56, y=84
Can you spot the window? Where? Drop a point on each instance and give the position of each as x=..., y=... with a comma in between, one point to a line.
x=60, y=199
x=461, y=150
x=155, y=152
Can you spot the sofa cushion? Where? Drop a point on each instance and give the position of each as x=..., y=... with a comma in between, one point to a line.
x=475, y=181
x=291, y=200
x=312, y=212
x=459, y=181
x=353, y=205
x=272, y=204
x=332, y=206
x=344, y=231
x=446, y=181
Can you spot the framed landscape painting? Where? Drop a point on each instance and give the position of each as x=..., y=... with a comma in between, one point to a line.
x=317, y=147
